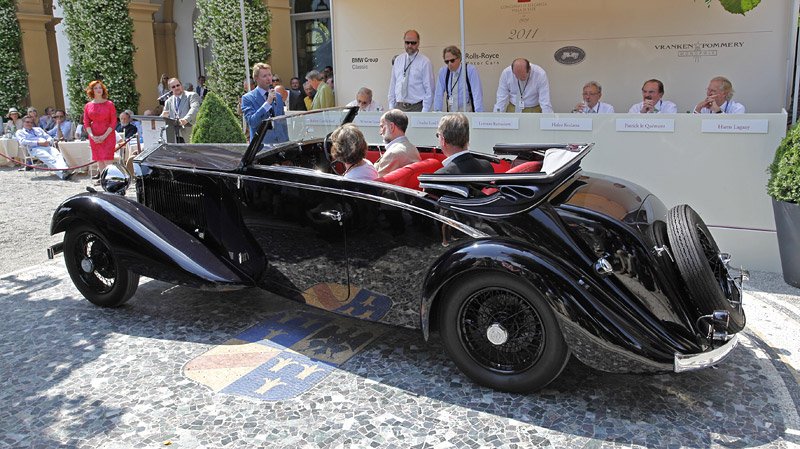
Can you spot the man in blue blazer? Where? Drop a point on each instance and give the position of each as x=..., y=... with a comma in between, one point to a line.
x=262, y=103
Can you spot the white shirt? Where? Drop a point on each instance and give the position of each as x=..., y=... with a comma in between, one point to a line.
x=535, y=90
x=729, y=107
x=663, y=107
x=420, y=82
x=372, y=107
x=365, y=171
x=599, y=108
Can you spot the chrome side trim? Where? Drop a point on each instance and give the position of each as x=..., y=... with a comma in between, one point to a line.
x=472, y=232
x=705, y=359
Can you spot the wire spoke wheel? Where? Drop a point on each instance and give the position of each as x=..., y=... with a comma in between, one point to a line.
x=94, y=268
x=501, y=330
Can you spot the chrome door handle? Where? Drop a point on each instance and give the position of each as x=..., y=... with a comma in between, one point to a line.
x=334, y=215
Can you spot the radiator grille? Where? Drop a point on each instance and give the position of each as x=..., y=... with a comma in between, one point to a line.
x=180, y=202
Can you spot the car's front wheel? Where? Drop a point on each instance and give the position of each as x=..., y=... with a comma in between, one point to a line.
x=95, y=270
x=501, y=333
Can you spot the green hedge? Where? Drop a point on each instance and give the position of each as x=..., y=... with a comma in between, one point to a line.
x=219, y=26
x=216, y=123
x=100, y=34
x=13, y=77
x=784, y=172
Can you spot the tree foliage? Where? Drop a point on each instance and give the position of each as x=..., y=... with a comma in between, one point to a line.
x=100, y=34
x=216, y=123
x=13, y=77
x=737, y=6
x=784, y=172
x=219, y=26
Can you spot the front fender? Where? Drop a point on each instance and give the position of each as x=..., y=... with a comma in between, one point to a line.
x=586, y=311
x=146, y=242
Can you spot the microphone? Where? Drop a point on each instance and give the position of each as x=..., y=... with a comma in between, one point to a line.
x=165, y=96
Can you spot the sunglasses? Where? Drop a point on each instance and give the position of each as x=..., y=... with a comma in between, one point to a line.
x=411, y=42
x=58, y=116
x=448, y=61
x=174, y=86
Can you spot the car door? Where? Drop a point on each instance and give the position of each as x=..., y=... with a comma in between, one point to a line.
x=296, y=216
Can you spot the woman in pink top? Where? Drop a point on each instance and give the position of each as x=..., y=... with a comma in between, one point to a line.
x=99, y=121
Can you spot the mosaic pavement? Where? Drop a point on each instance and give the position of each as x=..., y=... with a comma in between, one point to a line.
x=162, y=372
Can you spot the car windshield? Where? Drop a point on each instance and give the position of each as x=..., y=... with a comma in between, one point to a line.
x=301, y=127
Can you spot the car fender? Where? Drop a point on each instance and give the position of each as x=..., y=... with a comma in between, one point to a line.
x=147, y=243
x=583, y=307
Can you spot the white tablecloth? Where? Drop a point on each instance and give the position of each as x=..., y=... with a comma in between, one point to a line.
x=10, y=147
x=76, y=153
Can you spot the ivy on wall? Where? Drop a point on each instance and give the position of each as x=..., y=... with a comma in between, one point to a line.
x=13, y=77
x=100, y=34
x=219, y=26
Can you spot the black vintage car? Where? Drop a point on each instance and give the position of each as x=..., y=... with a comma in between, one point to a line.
x=515, y=270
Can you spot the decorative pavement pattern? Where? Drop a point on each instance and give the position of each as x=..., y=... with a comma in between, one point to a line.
x=73, y=375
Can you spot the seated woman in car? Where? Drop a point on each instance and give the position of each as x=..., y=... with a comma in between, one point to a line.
x=350, y=148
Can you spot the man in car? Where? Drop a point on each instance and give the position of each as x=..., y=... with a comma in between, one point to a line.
x=399, y=151
x=453, y=135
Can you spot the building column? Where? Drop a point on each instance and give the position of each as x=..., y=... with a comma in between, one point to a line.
x=37, y=57
x=280, y=39
x=144, y=60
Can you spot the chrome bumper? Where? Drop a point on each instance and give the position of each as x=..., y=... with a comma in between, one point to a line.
x=705, y=359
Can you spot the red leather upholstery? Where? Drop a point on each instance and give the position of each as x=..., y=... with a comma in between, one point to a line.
x=407, y=176
x=426, y=155
x=373, y=155
x=502, y=166
x=526, y=167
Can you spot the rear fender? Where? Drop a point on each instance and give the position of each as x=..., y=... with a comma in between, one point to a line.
x=583, y=307
x=147, y=243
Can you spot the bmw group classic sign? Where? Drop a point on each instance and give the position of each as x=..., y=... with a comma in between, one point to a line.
x=292, y=351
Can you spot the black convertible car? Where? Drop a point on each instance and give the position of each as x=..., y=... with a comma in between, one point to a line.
x=515, y=270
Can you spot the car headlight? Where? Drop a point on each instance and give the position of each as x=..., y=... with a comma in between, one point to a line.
x=115, y=179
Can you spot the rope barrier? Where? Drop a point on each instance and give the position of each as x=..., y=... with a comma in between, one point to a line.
x=39, y=167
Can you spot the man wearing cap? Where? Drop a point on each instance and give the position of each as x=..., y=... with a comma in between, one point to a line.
x=37, y=142
x=14, y=122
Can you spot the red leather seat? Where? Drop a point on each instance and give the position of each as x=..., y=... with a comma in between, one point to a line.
x=373, y=155
x=502, y=166
x=407, y=176
x=526, y=167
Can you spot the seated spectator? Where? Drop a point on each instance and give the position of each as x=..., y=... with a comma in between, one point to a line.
x=32, y=112
x=46, y=121
x=350, y=148
x=310, y=92
x=62, y=128
x=80, y=132
x=651, y=103
x=592, y=92
x=37, y=142
x=189, y=87
x=719, y=98
x=399, y=151
x=125, y=125
x=453, y=134
x=14, y=121
x=364, y=101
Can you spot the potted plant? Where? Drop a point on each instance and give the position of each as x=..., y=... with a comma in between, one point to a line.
x=216, y=123
x=784, y=188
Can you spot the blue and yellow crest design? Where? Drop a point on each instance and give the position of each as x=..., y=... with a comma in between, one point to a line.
x=292, y=351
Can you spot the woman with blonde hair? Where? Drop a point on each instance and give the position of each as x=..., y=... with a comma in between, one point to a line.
x=99, y=121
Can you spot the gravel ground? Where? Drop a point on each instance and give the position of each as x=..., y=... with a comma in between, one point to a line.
x=29, y=199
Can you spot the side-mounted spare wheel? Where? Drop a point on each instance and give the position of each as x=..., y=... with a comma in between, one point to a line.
x=95, y=270
x=698, y=259
x=501, y=333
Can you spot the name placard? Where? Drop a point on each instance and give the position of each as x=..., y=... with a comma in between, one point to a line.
x=646, y=125
x=565, y=124
x=424, y=122
x=363, y=120
x=754, y=126
x=495, y=122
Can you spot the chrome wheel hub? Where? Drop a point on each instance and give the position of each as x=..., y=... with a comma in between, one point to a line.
x=87, y=265
x=496, y=334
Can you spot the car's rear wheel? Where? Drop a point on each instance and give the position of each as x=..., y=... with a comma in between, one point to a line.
x=501, y=333
x=698, y=259
x=95, y=270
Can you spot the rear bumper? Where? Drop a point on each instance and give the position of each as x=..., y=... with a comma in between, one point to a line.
x=705, y=359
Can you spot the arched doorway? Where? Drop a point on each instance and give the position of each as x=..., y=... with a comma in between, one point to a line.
x=312, y=35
